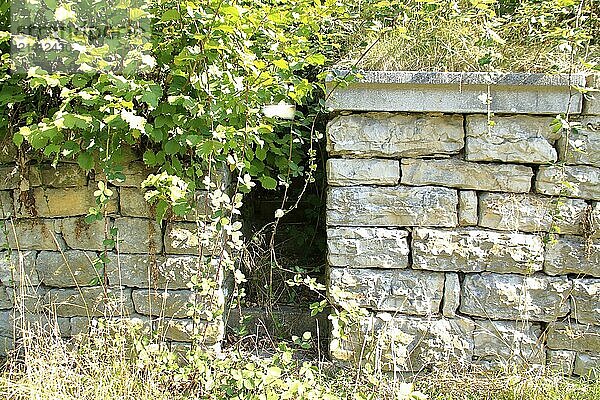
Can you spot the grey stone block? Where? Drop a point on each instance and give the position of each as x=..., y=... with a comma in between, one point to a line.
x=509, y=342
x=571, y=255
x=80, y=235
x=64, y=175
x=176, y=303
x=69, y=268
x=89, y=301
x=561, y=361
x=351, y=172
x=582, y=146
x=451, y=300
x=573, y=180
x=573, y=336
x=587, y=365
x=467, y=208
x=138, y=235
x=586, y=301
x=18, y=268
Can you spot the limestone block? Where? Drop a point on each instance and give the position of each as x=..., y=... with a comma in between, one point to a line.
x=394, y=135
x=183, y=238
x=404, y=343
x=561, y=361
x=461, y=174
x=175, y=303
x=586, y=301
x=587, y=365
x=591, y=101
x=520, y=139
x=64, y=175
x=475, y=250
x=6, y=298
x=80, y=235
x=574, y=180
x=583, y=143
x=571, y=255
x=160, y=272
x=451, y=295
x=406, y=291
x=530, y=213
x=467, y=208
x=392, y=206
x=367, y=247
x=508, y=342
x=138, y=235
x=133, y=203
x=573, y=336
x=351, y=172
x=6, y=205
x=515, y=297
x=89, y=301
x=18, y=268
x=30, y=234
x=63, y=202
x=10, y=177
x=185, y=330
x=69, y=268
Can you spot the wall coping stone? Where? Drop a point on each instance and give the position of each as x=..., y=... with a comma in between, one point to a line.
x=457, y=92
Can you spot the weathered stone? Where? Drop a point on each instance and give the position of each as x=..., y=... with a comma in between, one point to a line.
x=516, y=297
x=572, y=336
x=185, y=330
x=561, y=361
x=594, y=220
x=475, y=250
x=63, y=202
x=508, y=342
x=530, y=213
x=8, y=151
x=586, y=301
x=591, y=101
x=18, y=268
x=138, y=235
x=80, y=235
x=521, y=139
x=176, y=303
x=6, y=205
x=587, y=365
x=69, y=268
x=133, y=203
x=183, y=238
x=7, y=344
x=392, y=206
x=394, y=135
x=367, y=247
x=43, y=324
x=467, y=208
x=36, y=234
x=575, y=180
x=403, y=343
x=6, y=298
x=571, y=255
x=28, y=299
x=406, y=291
x=89, y=301
x=64, y=175
x=10, y=177
x=135, y=173
x=6, y=323
x=461, y=174
x=351, y=172
x=451, y=295
x=582, y=146
x=147, y=271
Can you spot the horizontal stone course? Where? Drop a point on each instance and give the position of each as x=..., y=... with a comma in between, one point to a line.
x=63, y=175
x=367, y=247
x=175, y=303
x=13, y=177
x=351, y=172
x=392, y=206
x=476, y=250
x=510, y=342
x=406, y=291
x=62, y=202
x=69, y=268
x=573, y=180
x=515, y=297
x=89, y=301
x=572, y=255
x=394, y=135
x=466, y=175
x=573, y=336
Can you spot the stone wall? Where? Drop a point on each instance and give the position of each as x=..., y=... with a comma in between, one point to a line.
x=465, y=224
x=50, y=277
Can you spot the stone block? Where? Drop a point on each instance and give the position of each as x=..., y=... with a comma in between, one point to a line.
x=508, y=342
x=394, y=135
x=580, y=181
x=38, y=234
x=573, y=336
x=28, y=299
x=451, y=295
x=43, y=324
x=586, y=301
x=133, y=203
x=467, y=208
x=367, y=247
x=186, y=330
x=6, y=298
x=135, y=173
x=63, y=202
x=587, y=366
x=176, y=303
x=6, y=324
x=461, y=174
x=160, y=272
x=475, y=250
x=7, y=344
x=530, y=213
x=403, y=343
x=515, y=297
x=520, y=139
x=591, y=101
x=64, y=175
x=138, y=235
x=183, y=238
x=18, y=268
x=406, y=291
x=583, y=143
x=561, y=361
x=571, y=255
x=69, y=268
x=352, y=172
x=6, y=205
x=89, y=301
x=392, y=206
x=10, y=177
x=80, y=235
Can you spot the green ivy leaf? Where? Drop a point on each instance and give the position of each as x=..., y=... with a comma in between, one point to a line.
x=267, y=182
x=85, y=161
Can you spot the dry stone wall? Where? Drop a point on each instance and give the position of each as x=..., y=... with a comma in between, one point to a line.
x=471, y=233
x=50, y=277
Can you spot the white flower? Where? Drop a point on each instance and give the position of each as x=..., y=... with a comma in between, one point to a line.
x=148, y=60
x=134, y=121
x=279, y=213
x=281, y=110
x=63, y=13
